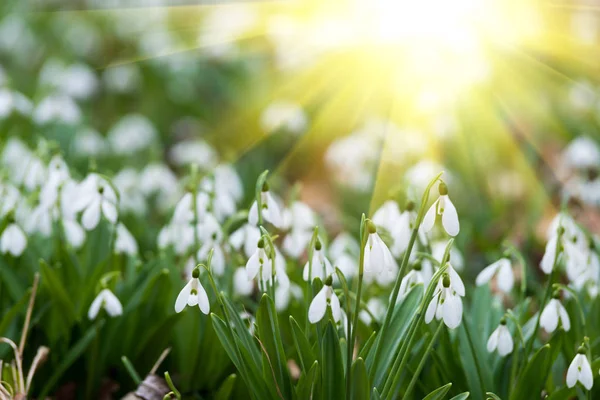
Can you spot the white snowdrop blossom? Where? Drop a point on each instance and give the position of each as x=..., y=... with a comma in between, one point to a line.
x=377, y=309
x=552, y=314
x=320, y=266
x=131, y=133
x=57, y=108
x=318, y=306
x=259, y=262
x=125, y=242
x=283, y=115
x=442, y=206
x=107, y=300
x=580, y=371
x=438, y=249
x=193, y=294
x=242, y=286
x=387, y=216
x=191, y=151
x=503, y=271
x=13, y=240
x=500, y=340
x=377, y=257
x=583, y=152
x=131, y=198
x=245, y=237
x=300, y=220
x=446, y=303
x=271, y=210
x=343, y=252
x=96, y=198
x=410, y=280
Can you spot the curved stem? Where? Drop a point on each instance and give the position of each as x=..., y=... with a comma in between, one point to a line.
x=413, y=381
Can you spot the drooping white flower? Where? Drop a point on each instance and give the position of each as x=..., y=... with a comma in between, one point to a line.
x=13, y=240
x=125, y=242
x=131, y=198
x=259, y=262
x=298, y=217
x=438, y=249
x=446, y=303
x=57, y=108
x=552, y=314
x=580, y=371
x=500, y=340
x=343, y=252
x=96, y=197
x=271, y=211
x=283, y=295
x=377, y=257
x=245, y=237
x=193, y=294
x=377, y=309
x=318, y=306
x=568, y=241
x=387, y=216
x=411, y=279
x=320, y=266
x=283, y=115
x=107, y=300
x=184, y=210
x=581, y=153
x=503, y=271
x=442, y=206
x=242, y=286
x=192, y=151
x=131, y=133
x=296, y=241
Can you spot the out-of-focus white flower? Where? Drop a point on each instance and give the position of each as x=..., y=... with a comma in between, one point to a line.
x=552, y=314
x=284, y=294
x=193, y=294
x=419, y=175
x=353, y=158
x=271, y=211
x=34, y=173
x=442, y=206
x=377, y=258
x=319, y=267
x=242, y=286
x=122, y=78
x=582, y=96
x=500, y=340
x=125, y=242
x=87, y=142
x=14, y=152
x=158, y=179
x=193, y=152
x=225, y=188
x=259, y=263
x=568, y=240
x=13, y=240
x=300, y=220
x=210, y=235
x=283, y=115
x=580, y=371
x=245, y=237
x=387, y=216
x=318, y=306
x=438, y=249
x=107, y=300
x=503, y=271
x=222, y=27
x=131, y=198
x=410, y=280
x=96, y=197
x=581, y=153
x=376, y=307
x=77, y=81
x=57, y=108
x=446, y=303
x=131, y=134
x=13, y=102
x=10, y=197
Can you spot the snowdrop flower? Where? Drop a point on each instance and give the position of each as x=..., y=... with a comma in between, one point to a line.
x=566, y=242
x=446, y=302
x=157, y=179
x=259, y=262
x=122, y=78
x=217, y=263
x=283, y=115
x=582, y=153
x=320, y=266
x=387, y=216
x=13, y=240
x=442, y=206
x=125, y=242
x=552, y=314
x=131, y=197
x=580, y=371
x=12, y=101
x=343, y=251
x=34, y=173
x=190, y=151
x=184, y=209
x=96, y=198
x=245, y=238
x=503, y=271
x=300, y=220
x=438, y=248
x=78, y=81
x=296, y=241
x=325, y=297
x=131, y=133
x=376, y=307
x=270, y=209
x=413, y=278
x=242, y=286
x=87, y=142
x=193, y=294
x=57, y=108
x=377, y=257
x=283, y=295
x=500, y=340
x=107, y=300
x=401, y=230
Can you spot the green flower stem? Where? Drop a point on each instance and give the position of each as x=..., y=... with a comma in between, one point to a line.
x=411, y=243
x=474, y=353
x=521, y=259
x=308, y=289
x=171, y=385
x=415, y=377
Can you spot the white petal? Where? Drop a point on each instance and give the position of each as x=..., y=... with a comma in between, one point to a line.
x=450, y=218
x=548, y=259
x=273, y=211
x=91, y=215
x=585, y=375
x=487, y=273
x=95, y=307
x=492, y=342
x=336, y=310
x=456, y=281
x=564, y=317
x=74, y=233
x=431, y=309
x=429, y=219
x=253, y=265
x=112, y=305
x=505, y=342
x=505, y=278
x=573, y=371
x=452, y=311
x=110, y=211
x=318, y=306
x=242, y=286
x=253, y=214
x=549, y=317
x=203, y=302
x=182, y=298
x=14, y=240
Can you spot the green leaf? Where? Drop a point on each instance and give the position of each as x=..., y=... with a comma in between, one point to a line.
x=492, y=396
x=226, y=388
x=359, y=388
x=439, y=393
x=270, y=337
x=306, y=383
x=72, y=355
x=532, y=380
x=333, y=382
x=303, y=348
x=15, y=310
x=11, y=282
x=461, y=396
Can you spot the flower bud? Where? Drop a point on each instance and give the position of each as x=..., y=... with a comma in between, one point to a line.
x=581, y=350
x=446, y=280
x=261, y=243
x=329, y=280
x=417, y=267
x=265, y=187
x=196, y=273
x=318, y=245
x=443, y=189
x=371, y=228
x=556, y=294
x=410, y=205
x=502, y=321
